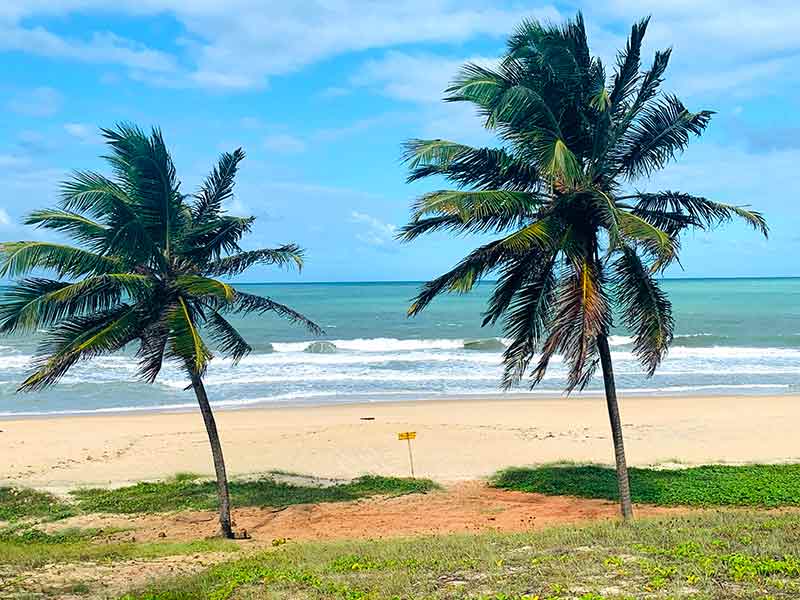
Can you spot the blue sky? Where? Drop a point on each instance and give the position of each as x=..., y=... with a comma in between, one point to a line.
x=321, y=94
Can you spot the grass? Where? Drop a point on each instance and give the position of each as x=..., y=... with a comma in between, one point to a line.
x=721, y=554
x=755, y=485
x=186, y=492
x=31, y=548
x=18, y=503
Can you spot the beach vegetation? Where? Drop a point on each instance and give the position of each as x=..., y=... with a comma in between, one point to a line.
x=192, y=494
x=17, y=503
x=765, y=486
x=144, y=271
x=32, y=548
x=580, y=244
x=714, y=554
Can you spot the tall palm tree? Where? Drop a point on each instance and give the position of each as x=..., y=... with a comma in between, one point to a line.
x=144, y=270
x=577, y=239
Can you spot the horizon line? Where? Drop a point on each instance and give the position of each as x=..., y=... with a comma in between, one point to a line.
x=354, y=281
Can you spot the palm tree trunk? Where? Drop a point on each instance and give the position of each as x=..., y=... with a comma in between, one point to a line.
x=616, y=428
x=219, y=461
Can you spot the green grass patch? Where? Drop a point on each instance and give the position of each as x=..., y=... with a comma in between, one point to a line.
x=721, y=554
x=83, y=548
x=19, y=503
x=28, y=534
x=187, y=493
x=752, y=485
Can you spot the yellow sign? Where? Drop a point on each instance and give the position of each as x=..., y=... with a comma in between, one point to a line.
x=407, y=435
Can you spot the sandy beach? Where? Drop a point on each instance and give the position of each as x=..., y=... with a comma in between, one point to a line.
x=456, y=439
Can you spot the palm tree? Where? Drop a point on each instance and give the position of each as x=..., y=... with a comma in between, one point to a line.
x=144, y=270
x=576, y=239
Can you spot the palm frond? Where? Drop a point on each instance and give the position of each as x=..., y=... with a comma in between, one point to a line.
x=418, y=227
x=20, y=258
x=657, y=136
x=80, y=228
x=479, y=211
x=527, y=321
x=283, y=256
x=185, y=343
x=581, y=313
x=227, y=338
x=702, y=211
x=646, y=310
x=627, y=74
x=245, y=303
x=80, y=338
x=153, y=345
x=563, y=50
x=36, y=303
x=441, y=153
x=217, y=187
x=670, y=222
x=636, y=230
x=560, y=163
x=479, y=204
x=483, y=168
x=20, y=303
x=132, y=232
x=464, y=275
x=651, y=80
x=213, y=237
x=199, y=286
x=478, y=85
x=144, y=164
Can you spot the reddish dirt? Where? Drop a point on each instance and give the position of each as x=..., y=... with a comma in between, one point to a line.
x=464, y=507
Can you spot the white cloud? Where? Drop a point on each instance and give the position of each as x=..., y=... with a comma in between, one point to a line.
x=377, y=233
x=82, y=132
x=284, y=143
x=421, y=79
x=5, y=218
x=39, y=102
x=719, y=46
x=408, y=77
x=239, y=44
x=101, y=48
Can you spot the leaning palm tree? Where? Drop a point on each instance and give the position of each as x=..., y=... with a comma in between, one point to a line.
x=577, y=239
x=143, y=271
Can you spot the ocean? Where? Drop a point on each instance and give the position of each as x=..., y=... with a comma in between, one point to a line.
x=733, y=336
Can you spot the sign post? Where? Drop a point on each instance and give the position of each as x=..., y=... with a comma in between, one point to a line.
x=408, y=436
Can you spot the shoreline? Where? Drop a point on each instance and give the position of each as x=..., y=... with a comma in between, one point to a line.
x=457, y=439
x=311, y=402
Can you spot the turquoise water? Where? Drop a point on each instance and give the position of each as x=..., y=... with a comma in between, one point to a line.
x=732, y=336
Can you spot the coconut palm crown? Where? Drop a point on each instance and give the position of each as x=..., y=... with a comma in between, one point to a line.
x=144, y=270
x=577, y=240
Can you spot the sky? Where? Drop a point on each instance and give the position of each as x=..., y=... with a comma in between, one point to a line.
x=321, y=94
